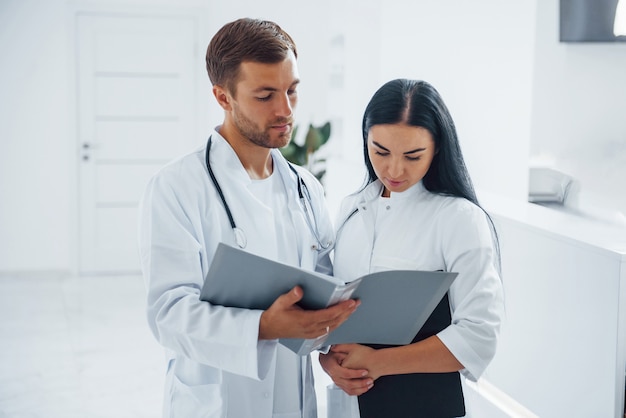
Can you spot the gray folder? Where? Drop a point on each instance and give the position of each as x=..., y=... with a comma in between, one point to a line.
x=395, y=304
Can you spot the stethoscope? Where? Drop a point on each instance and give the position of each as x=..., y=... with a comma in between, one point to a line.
x=303, y=196
x=347, y=218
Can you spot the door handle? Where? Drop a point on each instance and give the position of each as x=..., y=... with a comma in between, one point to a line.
x=86, y=147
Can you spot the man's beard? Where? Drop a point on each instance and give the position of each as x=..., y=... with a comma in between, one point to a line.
x=261, y=137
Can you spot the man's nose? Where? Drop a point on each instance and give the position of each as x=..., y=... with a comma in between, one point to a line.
x=284, y=106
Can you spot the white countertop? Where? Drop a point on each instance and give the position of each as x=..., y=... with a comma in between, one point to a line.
x=563, y=222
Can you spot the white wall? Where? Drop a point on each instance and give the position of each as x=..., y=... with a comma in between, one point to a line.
x=478, y=54
x=355, y=65
x=35, y=154
x=38, y=149
x=511, y=87
x=38, y=146
x=518, y=95
x=579, y=114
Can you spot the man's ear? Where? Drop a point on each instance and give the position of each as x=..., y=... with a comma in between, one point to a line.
x=222, y=96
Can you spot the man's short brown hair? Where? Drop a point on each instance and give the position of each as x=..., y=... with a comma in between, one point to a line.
x=245, y=40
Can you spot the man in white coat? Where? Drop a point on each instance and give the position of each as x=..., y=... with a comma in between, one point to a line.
x=221, y=361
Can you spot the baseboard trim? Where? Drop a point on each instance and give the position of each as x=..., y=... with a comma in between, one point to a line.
x=499, y=400
x=35, y=274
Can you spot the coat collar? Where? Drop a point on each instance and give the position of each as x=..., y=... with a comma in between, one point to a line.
x=223, y=155
x=373, y=191
x=234, y=179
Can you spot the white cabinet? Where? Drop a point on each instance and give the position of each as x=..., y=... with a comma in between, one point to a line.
x=562, y=351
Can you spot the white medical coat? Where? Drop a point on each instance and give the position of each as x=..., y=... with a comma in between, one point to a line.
x=216, y=366
x=426, y=231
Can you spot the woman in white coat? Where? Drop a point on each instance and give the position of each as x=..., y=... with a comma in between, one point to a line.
x=223, y=361
x=418, y=210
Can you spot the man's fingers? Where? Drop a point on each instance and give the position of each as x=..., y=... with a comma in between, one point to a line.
x=345, y=306
x=335, y=315
x=291, y=298
x=284, y=319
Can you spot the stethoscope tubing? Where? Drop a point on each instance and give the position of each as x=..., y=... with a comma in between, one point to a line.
x=303, y=196
x=217, y=186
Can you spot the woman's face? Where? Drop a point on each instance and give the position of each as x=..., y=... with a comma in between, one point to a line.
x=400, y=154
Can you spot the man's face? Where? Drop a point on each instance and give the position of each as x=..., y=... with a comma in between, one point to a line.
x=263, y=105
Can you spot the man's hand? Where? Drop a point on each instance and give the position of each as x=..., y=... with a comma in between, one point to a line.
x=352, y=381
x=284, y=319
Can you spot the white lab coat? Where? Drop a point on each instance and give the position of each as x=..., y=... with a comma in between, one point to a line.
x=216, y=367
x=430, y=232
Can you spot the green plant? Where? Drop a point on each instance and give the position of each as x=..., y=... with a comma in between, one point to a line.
x=304, y=155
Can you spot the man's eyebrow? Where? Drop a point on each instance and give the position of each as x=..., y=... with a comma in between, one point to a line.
x=273, y=89
x=265, y=88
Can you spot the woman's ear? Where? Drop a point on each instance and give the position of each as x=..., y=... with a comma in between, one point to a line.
x=222, y=96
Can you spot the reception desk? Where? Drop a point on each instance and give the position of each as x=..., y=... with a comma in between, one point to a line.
x=562, y=351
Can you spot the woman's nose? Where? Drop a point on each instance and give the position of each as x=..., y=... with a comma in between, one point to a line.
x=395, y=168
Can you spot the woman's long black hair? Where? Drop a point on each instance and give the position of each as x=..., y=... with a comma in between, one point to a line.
x=417, y=103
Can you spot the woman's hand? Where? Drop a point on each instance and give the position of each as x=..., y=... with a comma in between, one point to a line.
x=357, y=356
x=426, y=356
x=352, y=381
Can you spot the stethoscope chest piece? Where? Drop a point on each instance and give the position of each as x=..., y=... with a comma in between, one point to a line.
x=240, y=238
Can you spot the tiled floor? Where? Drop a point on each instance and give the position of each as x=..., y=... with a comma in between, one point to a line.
x=77, y=347
x=81, y=348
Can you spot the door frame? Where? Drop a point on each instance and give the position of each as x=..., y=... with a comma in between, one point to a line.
x=190, y=10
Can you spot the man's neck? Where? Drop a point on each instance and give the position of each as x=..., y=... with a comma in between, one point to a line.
x=256, y=160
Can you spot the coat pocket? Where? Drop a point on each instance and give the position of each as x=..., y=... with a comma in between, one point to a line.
x=196, y=391
x=196, y=401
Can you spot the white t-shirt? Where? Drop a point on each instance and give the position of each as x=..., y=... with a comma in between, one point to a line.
x=271, y=192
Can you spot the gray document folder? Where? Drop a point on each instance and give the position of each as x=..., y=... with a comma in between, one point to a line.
x=395, y=304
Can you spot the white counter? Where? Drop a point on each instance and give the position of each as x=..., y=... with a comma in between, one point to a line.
x=562, y=351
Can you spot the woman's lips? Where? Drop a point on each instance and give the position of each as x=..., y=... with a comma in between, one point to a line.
x=394, y=183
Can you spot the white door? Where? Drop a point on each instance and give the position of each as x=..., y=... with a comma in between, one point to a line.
x=136, y=110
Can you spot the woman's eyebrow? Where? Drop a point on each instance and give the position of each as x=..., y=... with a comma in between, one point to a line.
x=404, y=153
x=415, y=150
x=379, y=146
